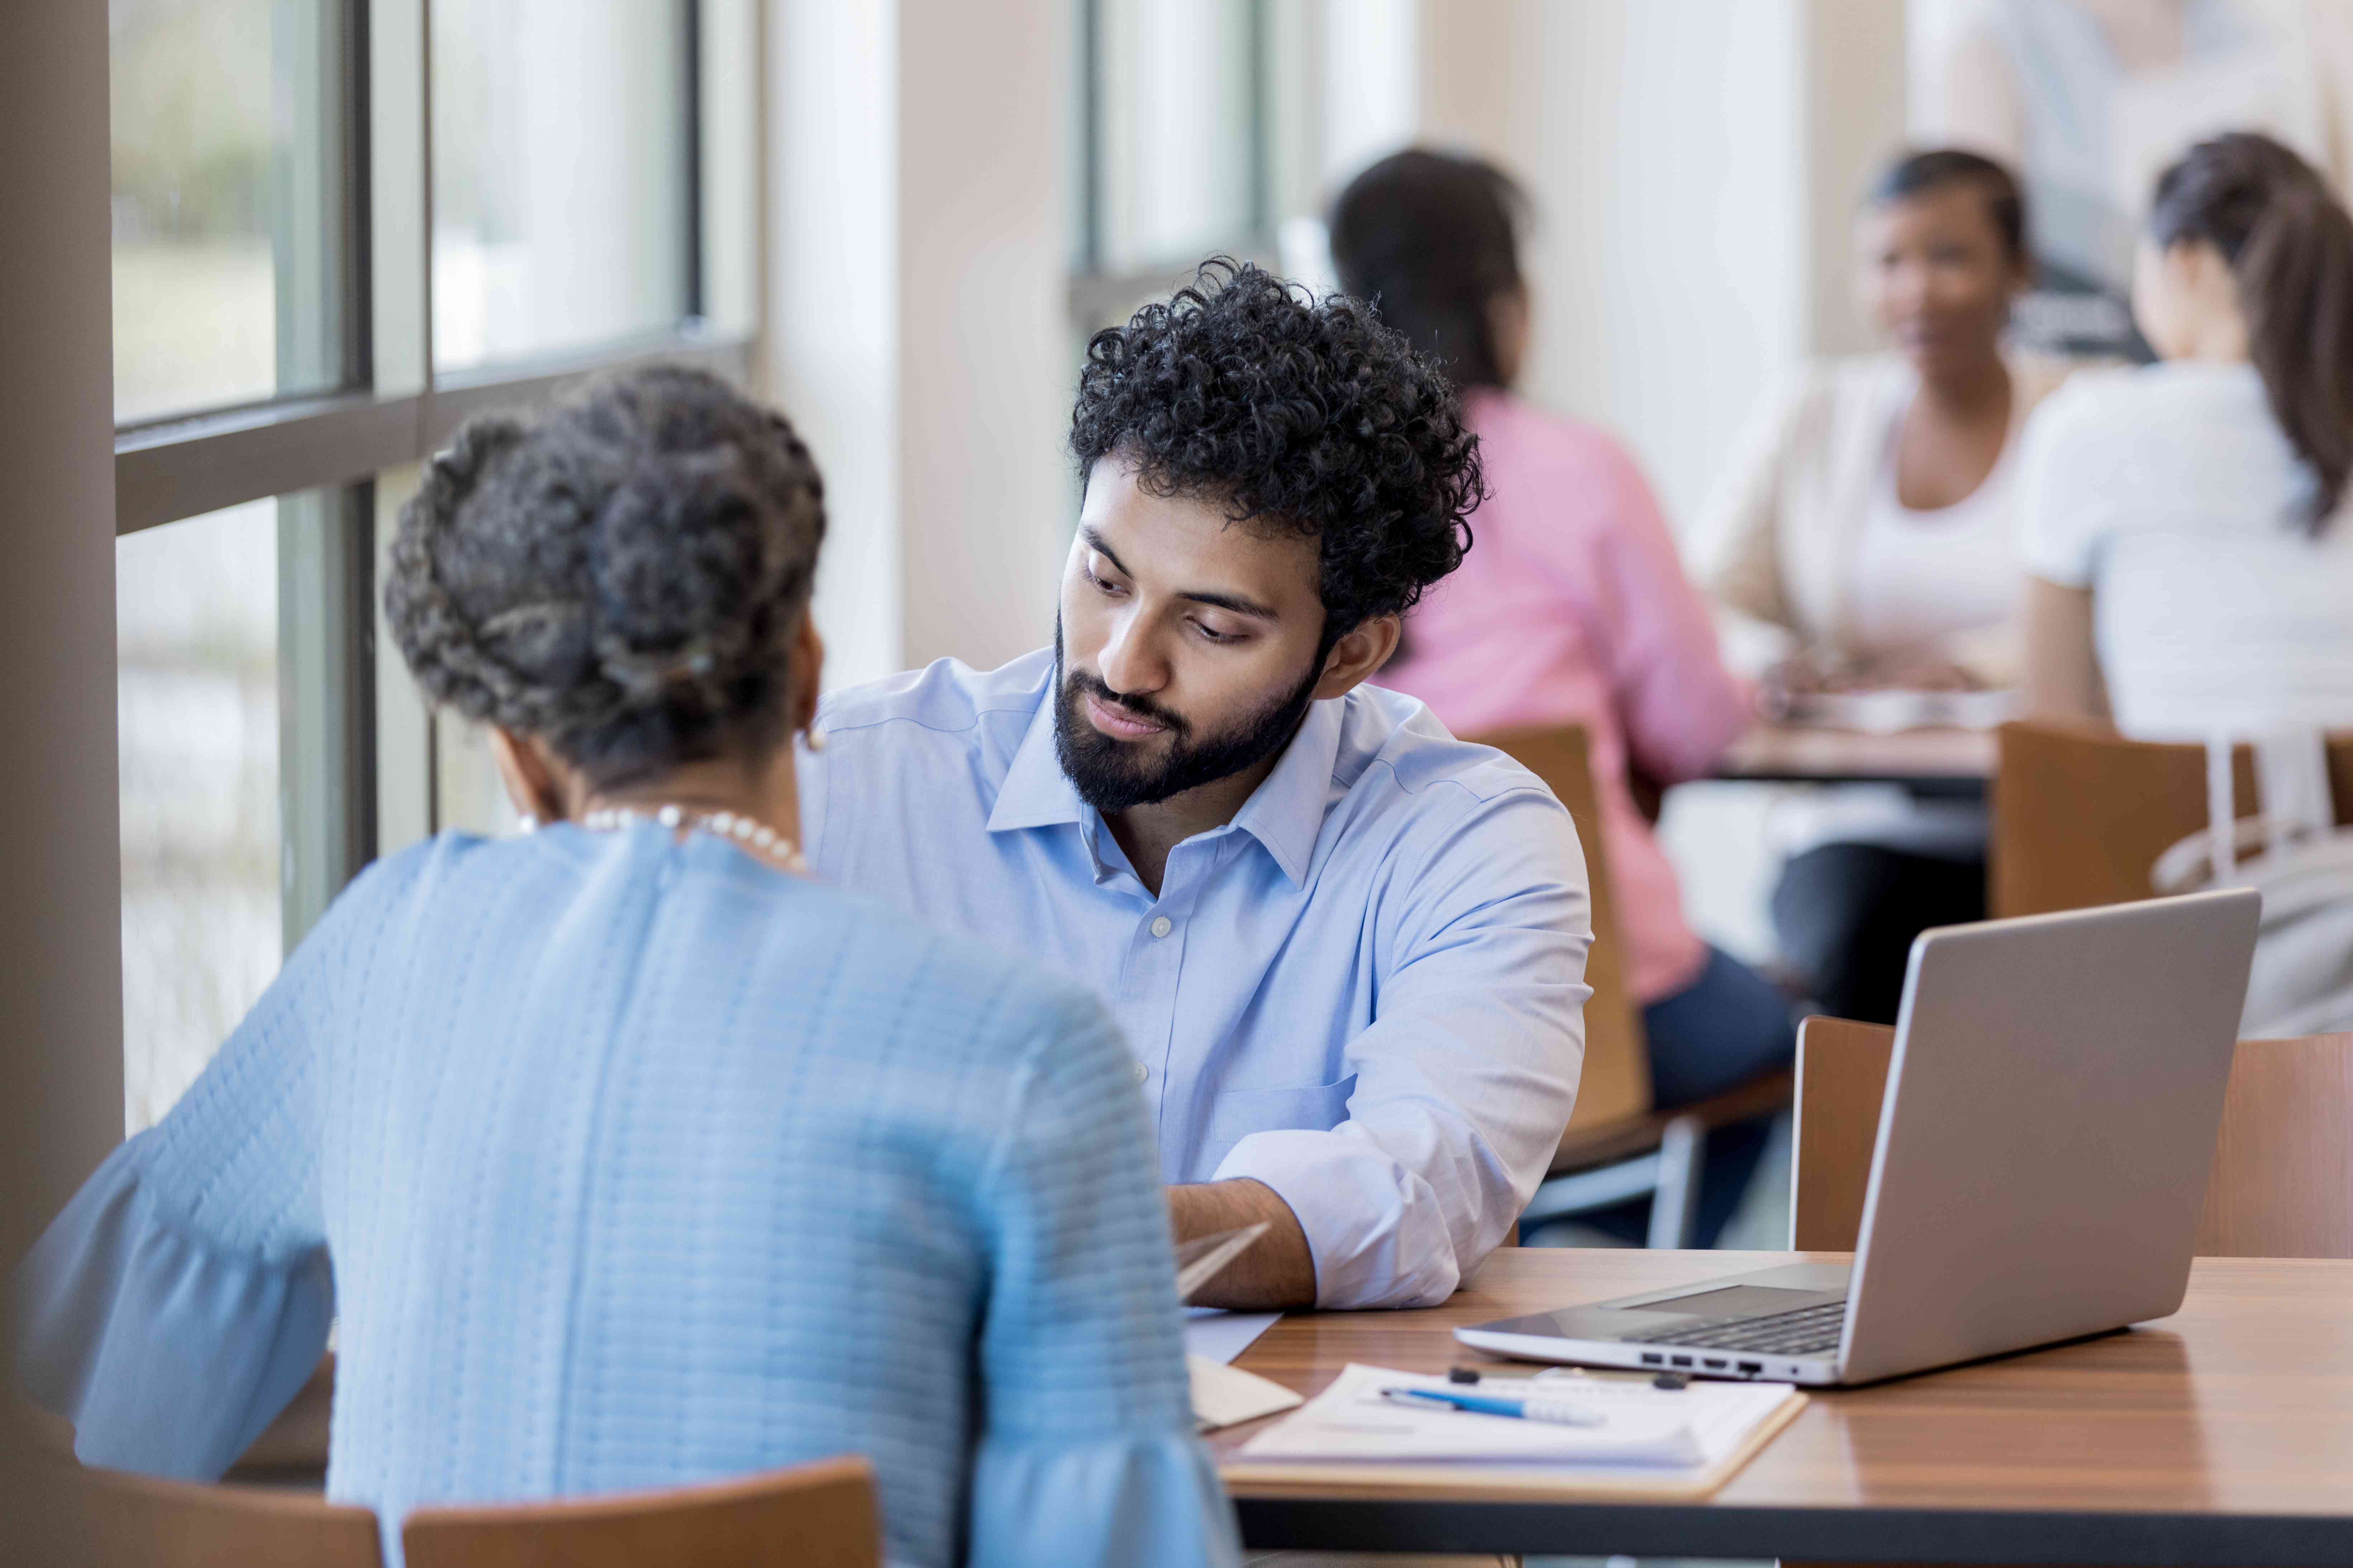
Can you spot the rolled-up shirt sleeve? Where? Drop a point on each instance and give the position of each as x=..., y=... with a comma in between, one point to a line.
x=1467, y=1074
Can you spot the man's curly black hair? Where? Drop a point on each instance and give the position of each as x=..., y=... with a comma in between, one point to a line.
x=1301, y=415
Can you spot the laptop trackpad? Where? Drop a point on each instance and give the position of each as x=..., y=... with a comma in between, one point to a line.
x=1735, y=1301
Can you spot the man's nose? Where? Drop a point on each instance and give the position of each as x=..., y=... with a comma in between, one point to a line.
x=1131, y=663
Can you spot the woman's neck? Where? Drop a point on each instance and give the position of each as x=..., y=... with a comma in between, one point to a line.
x=1980, y=390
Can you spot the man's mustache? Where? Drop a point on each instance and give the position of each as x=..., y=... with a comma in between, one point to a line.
x=1142, y=707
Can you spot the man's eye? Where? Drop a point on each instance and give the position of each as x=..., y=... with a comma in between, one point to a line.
x=1104, y=583
x=1215, y=635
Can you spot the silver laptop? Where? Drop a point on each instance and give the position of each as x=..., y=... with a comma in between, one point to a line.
x=2052, y=1109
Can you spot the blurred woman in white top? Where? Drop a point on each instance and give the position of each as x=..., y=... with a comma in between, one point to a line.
x=2183, y=522
x=1871, y=515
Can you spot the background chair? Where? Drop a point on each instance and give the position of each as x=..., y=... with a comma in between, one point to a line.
x=821, y=1515
x=2282, y=1178
x=1616, y=1146
x=2080, y=814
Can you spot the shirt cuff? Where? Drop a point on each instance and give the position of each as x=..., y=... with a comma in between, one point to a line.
x=1373, y=1227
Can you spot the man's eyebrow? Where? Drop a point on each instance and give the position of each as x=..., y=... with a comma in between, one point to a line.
x=1233, y=601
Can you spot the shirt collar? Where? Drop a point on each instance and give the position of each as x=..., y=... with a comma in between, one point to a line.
x=1285, y=814
x=1037, y=793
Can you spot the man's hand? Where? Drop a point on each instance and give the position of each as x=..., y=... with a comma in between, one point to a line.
x=1278, y=1271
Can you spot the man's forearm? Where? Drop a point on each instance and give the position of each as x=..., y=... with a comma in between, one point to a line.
x=1279, y=1270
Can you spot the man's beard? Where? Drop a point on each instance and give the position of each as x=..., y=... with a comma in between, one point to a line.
x=1112, y=774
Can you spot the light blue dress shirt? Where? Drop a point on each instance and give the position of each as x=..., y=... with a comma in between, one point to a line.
x=1367, y=991
x=628, y=1163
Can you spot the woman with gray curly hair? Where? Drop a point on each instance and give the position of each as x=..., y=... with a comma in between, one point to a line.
x=626, y=1155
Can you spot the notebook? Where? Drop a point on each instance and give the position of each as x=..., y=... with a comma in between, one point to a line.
x=1650, y=1441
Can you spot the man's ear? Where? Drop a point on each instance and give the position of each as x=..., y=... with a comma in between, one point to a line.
x=1358, y=654
x=533, y=783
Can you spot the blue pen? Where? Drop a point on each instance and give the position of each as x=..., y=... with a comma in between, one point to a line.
x=1558, y=1412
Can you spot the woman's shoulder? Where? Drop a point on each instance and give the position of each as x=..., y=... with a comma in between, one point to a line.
x=2168, y=391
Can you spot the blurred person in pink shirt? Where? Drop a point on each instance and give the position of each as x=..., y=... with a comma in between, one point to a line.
x=1571, y=608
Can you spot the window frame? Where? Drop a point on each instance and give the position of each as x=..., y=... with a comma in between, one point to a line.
x=395, y=412
x=1100, y=293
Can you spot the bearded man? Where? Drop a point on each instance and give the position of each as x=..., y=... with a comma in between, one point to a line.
x=1347, y=949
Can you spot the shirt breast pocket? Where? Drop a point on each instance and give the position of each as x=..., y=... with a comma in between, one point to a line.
x=1237, y=1113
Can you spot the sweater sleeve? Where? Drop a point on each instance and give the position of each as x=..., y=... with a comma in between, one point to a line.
x=1087, y=1453
x=1736, y=546
x=183, y=1295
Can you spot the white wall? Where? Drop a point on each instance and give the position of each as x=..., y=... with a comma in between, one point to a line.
x=917, y=248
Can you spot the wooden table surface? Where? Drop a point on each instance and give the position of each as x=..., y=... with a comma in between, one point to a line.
x=1813, y=754
x=2222, y=1435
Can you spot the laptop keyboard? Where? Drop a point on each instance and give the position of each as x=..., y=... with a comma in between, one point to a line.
x=1809, y=1331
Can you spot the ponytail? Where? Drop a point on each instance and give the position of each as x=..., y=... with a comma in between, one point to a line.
x=2289, y=244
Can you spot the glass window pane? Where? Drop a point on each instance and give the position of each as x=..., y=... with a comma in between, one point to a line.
x=242, y=699
x=559, y=174
x=1178, y=139
x=197, y=645
x=229, y=191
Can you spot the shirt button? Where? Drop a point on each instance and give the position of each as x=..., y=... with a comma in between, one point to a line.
x=1161, y=926
x=1142, y=1073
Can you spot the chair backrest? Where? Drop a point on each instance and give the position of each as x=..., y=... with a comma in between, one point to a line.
x=820, y=1515
x=1616, y=1083
x=137, y=1520
x=2282, y=1177
x=1841, y=1077
x=2080, y=814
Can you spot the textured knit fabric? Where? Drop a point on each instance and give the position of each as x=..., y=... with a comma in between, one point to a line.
x=637, y=1163
x=1367, y=991
x=1572, y=608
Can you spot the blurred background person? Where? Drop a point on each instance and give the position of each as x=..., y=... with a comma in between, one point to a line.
x=1869, y=513
x=2089, y=98
x=1570, y=608
x=2184, y=522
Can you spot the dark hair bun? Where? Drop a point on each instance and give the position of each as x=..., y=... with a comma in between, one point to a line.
x=620, y=577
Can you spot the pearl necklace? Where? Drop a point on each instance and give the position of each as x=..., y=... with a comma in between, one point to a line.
x=753, y=835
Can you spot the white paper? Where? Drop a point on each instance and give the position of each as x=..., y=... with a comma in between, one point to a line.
x=1644, y=1427
x=1221, y=1336
x=1225, y=1396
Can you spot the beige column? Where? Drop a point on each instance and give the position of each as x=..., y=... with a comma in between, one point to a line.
x=1854, y=103
x=61, y=875
x=1694, y=165
x=60, y=949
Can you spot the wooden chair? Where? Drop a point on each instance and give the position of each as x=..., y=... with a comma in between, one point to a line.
x=127, y=1519
x=820, y=1515
x=2282, y=1178
x=1617, y=1147
x=2080, y=814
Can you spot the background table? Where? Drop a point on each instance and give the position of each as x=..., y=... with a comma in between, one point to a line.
x=2220, y=1436
x=1946, y=760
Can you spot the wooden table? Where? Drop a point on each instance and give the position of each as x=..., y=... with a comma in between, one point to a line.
x=1956, y=760
x=2220, y=1436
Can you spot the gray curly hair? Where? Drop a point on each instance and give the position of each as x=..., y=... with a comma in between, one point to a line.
x=621, y=576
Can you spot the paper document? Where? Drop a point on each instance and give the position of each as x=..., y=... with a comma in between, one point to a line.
x=1641, y=1428
x=1221, y=1336
x=1224, y=1395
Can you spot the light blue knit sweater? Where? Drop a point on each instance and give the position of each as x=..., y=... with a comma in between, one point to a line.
x=624, y=1163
